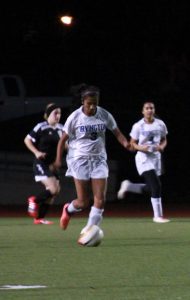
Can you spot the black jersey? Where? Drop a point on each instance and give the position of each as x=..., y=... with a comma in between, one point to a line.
x=45, y=138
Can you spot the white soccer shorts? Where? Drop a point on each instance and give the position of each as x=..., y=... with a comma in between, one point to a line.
x=87, y=167
x=148, y=162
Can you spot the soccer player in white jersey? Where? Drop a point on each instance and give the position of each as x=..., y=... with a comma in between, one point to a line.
x=42, y=141
x=148, y=138
x=84, y=132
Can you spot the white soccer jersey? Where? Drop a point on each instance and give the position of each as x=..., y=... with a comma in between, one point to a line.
x=149, y=134
x=87, y=133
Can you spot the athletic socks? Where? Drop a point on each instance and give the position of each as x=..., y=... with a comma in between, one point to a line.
x=95, y=216
x=157, y=207
x=71, y=209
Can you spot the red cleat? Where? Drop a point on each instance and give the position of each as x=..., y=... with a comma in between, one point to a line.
x=32, y=207
x=42, y=221
x=65, y=217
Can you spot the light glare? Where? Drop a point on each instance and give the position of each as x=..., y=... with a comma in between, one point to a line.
x=67, y=20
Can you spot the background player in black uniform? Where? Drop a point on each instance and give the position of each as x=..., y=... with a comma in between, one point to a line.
x=42, y=141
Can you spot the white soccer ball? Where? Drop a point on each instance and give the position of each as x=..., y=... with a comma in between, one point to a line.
x=91, y=236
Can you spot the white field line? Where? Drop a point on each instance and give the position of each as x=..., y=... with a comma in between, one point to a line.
x=21, y=287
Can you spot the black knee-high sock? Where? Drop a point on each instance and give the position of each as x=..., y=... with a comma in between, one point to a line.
x=43, y=209
x=42, y=197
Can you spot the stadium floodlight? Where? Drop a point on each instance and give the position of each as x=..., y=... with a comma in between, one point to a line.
x=66, y=20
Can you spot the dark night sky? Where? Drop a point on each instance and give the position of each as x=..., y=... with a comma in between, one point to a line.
x=123, y=45
x=131, y=49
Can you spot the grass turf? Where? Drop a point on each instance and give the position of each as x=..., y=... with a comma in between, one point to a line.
x=137, y=260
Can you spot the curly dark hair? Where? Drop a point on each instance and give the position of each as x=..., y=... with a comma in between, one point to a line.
x=90, y=90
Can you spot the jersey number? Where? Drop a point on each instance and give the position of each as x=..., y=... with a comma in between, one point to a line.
x=93, y=136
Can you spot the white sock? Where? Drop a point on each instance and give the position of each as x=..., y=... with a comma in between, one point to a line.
x=95, y=216
x=157, y=207
x=71, y=209
x=135, y=187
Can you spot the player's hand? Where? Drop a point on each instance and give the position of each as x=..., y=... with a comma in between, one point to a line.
x=159, y=148
x=40, y=155
x=144, y=148
x=131, y=148
x=57, y=165
x=128, y=146
x=52, y=167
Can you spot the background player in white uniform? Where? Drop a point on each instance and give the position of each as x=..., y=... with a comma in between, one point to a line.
x=148, y=137
x=85, y=132
x=42, y=142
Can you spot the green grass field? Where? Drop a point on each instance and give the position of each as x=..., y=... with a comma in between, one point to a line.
x=137, y=260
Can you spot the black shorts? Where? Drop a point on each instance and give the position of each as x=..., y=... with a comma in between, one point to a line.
x=42, y=171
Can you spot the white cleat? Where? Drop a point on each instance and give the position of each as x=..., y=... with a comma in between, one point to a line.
x=123, y=189
x=160, y=220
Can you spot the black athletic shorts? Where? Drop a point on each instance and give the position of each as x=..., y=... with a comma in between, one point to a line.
x=42, y=171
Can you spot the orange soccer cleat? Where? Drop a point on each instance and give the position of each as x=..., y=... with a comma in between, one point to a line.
x=42, y=221
x=32, y=207
x=65, y=217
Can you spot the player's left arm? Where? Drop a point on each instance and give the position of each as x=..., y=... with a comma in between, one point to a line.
x=121, y=138
x=162, y=145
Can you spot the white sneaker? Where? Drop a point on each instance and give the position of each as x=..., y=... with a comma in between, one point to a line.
x=160, y=220
x=123, y=189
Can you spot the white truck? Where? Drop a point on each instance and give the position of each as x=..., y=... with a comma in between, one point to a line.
x=14, y=103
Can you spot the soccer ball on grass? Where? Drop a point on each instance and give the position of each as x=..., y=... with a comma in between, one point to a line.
x=91, y=236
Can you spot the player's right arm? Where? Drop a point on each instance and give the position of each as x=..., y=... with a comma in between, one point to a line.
x=30, y=145
x=134, y=141
x=137, y=147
